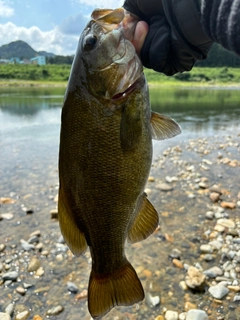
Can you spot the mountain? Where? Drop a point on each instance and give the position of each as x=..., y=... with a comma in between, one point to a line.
x=21, y=50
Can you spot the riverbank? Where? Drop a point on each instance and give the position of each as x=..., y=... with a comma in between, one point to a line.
x=191, y=262
x=57, y=76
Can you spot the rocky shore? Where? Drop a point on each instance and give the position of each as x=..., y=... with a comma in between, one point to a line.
x=190, y=266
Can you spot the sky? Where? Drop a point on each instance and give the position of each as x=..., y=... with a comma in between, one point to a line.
x=49, y=25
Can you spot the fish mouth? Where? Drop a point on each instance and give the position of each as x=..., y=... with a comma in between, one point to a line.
x=124, y=94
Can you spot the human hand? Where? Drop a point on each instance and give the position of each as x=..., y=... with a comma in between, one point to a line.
x=159, y=40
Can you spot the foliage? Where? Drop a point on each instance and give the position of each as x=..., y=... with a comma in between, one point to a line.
x=34, y=72
x=198, y=75
x=60, y=60
x=54, y=72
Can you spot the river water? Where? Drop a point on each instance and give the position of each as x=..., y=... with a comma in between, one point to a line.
x=29, y=139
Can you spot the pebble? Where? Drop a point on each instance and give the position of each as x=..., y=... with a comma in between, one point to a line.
x=12, y=275
x=171, y=315
x=196, y=314
x=22, y=315
x=228, y=223
x=7, y=216
x=34, y=264
x=72, y=287
x=37, y=317
x=2, y=247
x=26, y=246
x=4, y=316
x=55, y=310
x=195, y=278
x=218, y=291
x=40, y=272
x=164, y=187
x=21, y=290
x=214, y=196
x=236, y=298
x=213, y=272
x=10, y=309
x=206, y=248
x=177, y=263
x=228, y=205
x=152, y=301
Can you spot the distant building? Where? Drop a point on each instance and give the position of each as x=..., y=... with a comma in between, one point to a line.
x=40, y=60
x=15, y=60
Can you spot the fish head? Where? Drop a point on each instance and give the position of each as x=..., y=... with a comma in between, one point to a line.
x=106, y=63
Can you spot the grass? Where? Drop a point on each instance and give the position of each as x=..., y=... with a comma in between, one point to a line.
x=57, y=75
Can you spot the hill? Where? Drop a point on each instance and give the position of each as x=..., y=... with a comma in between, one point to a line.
x=21, y=50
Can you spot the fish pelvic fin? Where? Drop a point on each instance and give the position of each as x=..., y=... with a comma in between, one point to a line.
x=121, y=288
x=163, y=127
x=145, y=222
x=73, y=236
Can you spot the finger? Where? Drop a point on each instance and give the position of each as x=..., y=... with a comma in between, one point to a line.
x=140, y=35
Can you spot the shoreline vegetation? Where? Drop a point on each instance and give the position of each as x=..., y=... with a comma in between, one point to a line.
x=57, y=76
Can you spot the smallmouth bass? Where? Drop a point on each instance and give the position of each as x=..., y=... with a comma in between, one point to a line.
x=105, y=158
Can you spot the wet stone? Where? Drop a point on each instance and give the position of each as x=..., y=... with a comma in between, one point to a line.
x=26, y=246
x=196, y=314
x=236, y=298
x=164, y=187
x=2, y=247
x=9, y=309
x=213, y=272
x=22, y=315
x=195, y=278
x=7, y=216
x=12, y=275
x=21, y=290
x=218, y=291
x=34, y=265
x=55, y=310
x=209, y=215
x=171, y=315
x=228, y=223
x=72, y=287
x=152, y=301
x=206, y=248
x=4, y=316
x=33, y=239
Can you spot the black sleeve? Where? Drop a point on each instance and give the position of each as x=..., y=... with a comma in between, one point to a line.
x=221, y=22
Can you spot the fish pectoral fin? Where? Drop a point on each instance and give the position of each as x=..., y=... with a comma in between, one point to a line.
x=145, y=222
x=73, y=236
x=130, y=129
x=121, y=288
x=163, y=127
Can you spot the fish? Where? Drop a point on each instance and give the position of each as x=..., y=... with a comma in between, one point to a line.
x=105, y=157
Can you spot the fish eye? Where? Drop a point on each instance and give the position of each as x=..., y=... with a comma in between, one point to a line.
x=90, y=42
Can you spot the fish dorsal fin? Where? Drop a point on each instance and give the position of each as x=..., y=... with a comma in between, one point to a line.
x=73, y=236
x=163, y=127
x=145, y=222
x=130, y=128
x=108, y=16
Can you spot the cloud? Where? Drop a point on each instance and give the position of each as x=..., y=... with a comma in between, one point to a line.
x=51, y=41
x=110, y=4
x=5, y=10
x=73, y=25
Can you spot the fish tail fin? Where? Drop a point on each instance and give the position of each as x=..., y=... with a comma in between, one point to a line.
x=122, y=287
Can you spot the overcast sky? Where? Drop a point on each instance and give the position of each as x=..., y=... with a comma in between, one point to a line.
x=50, y=25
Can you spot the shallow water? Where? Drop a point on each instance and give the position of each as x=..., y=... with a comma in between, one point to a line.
x=29, y=138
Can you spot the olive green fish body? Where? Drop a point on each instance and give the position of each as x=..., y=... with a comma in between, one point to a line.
x=105, y=158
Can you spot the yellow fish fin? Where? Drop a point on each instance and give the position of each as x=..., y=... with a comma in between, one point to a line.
x=121, y=288
x=163, y=127
x=73, y=236
x=145, y=222
x=108, y=15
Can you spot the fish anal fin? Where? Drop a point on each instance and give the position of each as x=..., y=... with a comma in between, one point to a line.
x=73, y=236
x=121, y=288
x=145, y=222
x=163, y=127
